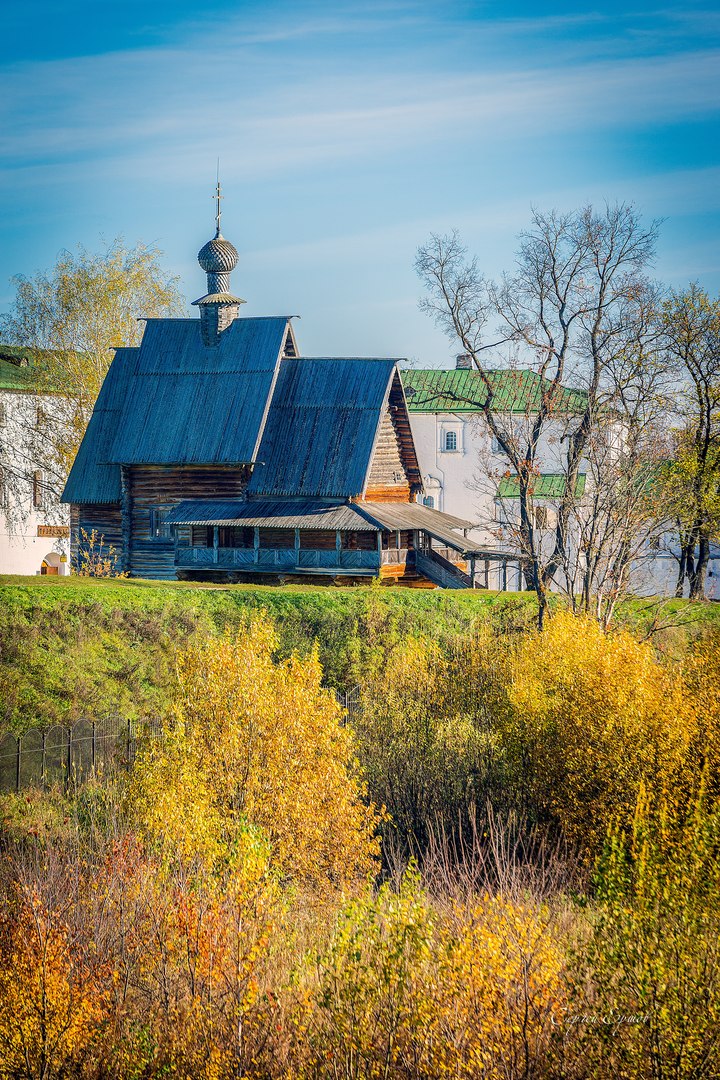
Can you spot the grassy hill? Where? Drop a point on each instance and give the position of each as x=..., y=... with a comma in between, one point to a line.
x=76, y=647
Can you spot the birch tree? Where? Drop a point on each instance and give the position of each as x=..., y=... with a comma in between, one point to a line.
x=69, y=319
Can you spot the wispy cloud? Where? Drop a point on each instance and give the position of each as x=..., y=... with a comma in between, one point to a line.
x=113, y=107
x=360, y=127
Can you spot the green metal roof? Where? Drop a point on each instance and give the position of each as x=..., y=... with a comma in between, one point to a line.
x=13, y=376
x=463, y=390
x=546, y=486
x=22, y=369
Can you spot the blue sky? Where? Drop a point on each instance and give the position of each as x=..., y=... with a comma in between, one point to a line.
x=347, y=132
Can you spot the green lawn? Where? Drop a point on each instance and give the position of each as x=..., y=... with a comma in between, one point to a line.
x=77, y=647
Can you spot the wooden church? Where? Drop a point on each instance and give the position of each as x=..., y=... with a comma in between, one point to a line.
x=215, y=451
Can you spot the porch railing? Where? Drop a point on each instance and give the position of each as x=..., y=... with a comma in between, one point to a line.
x=275, y=558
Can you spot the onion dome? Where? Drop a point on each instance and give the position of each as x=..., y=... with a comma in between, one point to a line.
x=218, y=256
x=218, y=308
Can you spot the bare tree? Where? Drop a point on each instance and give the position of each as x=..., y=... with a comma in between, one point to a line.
x=619, y=522
x=691, y=324
x=567, y=311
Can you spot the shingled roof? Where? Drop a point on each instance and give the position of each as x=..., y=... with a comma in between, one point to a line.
x=175, y=400
x=92, y=479
x=194, y=404
x=321, y=427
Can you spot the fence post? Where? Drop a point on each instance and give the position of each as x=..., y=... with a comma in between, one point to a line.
x=93, y=745
x=17, y=765
x=42, y=764
x=68, y=757
x=129, y=736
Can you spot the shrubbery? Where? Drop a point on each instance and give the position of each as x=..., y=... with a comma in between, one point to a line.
x=548, y=904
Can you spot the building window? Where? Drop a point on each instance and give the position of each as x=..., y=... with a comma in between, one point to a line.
x=3, y=414
x=429, y=500
x=495, y=445
x=451, y=440
x=541, y=518
x=159, y=530
x=40, y=417
x=3, y=489
x=38, y=490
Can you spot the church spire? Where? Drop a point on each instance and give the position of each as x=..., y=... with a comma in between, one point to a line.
x=218, y=258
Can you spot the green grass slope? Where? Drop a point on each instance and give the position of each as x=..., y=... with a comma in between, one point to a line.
x=76, y=647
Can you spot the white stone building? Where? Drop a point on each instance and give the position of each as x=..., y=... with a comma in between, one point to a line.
x=34, y=527
x=465, y=473
x=464, y=470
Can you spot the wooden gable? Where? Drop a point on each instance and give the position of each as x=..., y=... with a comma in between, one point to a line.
x=394, y=473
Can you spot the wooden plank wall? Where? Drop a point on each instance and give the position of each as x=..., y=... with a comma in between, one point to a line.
x=166, y=485
x=105, y=520
x=388, y=480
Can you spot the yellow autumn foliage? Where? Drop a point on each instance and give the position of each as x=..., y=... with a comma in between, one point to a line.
x=589, y=716
x=53, y=1000
x=410, y=988
x=257, y=742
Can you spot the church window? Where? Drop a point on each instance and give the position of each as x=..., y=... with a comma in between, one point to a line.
x=38, y=489
x=451, y=440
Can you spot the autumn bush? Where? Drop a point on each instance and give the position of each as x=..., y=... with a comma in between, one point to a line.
x=548, y=904
x=54, y=987
x=257, y=744
x=559, y=728
x=409, y=987
x=649, y=971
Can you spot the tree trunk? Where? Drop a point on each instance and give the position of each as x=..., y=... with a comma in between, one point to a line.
x=687, y=565
x=699, y=573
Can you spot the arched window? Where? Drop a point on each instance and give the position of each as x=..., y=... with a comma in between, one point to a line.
x=38, y=489
x=451, y=440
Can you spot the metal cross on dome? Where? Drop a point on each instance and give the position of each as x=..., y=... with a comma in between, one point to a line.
x=218, y=213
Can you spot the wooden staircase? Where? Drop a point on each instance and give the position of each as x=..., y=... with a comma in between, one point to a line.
x=440, y=571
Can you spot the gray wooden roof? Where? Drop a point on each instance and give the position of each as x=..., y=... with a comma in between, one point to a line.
x=193, y=404
x=92, y=479
x=321, y=428
x=175, y=400
x=308, y=426
x=266, y=514
x=315, y=514
x=440, y=526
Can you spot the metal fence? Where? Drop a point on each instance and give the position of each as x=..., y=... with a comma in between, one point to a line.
x=65, y=755
x=68, y=755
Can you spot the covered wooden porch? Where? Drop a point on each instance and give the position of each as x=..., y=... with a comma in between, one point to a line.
x=235, y=540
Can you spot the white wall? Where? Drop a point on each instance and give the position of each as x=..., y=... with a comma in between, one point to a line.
x=22, y=551
x=464, y=481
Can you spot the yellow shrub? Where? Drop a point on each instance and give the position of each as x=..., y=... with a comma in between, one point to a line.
x=52, y=999
x=406, y=989
x=589, y=717
x=258, y=742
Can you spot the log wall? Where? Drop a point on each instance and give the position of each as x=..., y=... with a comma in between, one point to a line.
x=388, y=480
x=105, y=521
x=163, y=486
